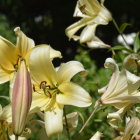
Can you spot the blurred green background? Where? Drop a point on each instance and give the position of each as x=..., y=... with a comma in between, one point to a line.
x=45, y=22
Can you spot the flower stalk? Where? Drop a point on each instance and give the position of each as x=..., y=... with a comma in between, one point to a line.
x=117, y=27
x=67, y=128
x=89, y=118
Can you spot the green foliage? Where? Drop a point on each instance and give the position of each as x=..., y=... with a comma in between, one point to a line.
x=5, y=29
x=123, y=27
x=137, y=43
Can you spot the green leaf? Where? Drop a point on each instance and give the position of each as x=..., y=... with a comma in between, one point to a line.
x=137, y=43
x=123, y=27
x=6, y=98
x=121, y=48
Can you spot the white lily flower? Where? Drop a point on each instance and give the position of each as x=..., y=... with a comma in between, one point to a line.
x=53, y=89
x=133, y=127
x=93, y=13
x=97, y=136
x=12, y=137
x=117, y=117
x=122, y=89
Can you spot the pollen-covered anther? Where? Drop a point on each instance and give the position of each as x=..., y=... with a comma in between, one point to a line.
x=46, y=88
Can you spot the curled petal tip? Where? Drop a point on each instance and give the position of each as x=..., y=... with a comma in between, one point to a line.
x=17, y=29
x=110, y=63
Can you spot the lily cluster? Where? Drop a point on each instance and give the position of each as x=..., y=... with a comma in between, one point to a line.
x=36, y=85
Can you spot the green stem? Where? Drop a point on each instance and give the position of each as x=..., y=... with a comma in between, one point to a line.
x=117, y=27
x=16, y=137
x=58, y=136
x=85, y=124
x=67, y=128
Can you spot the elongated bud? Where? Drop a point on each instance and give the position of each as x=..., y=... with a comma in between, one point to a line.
x=21, y=99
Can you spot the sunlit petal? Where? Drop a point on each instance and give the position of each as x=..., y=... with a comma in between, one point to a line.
x=110, y=63
x=8, y=55
x=96, y=43
x=68, y=70
x=71, y=30
x=24, y=44
x=73, y=94
x=88, y=33
x=54, y=120
x=41, y=66
x=53, y=53
x=40, y=100
x=133, y=82
x=4, y=77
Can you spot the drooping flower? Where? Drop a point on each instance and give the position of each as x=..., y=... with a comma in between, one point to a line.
x=93, y=13
x=122, y=89
x=21, y=99
x=53, y=89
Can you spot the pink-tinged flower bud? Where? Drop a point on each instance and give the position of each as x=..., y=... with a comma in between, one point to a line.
x=21, y=99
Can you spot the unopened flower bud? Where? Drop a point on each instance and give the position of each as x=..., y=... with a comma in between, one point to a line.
x=21, y=99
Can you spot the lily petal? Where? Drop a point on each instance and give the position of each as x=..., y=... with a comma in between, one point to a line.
x=8, y=51
x=110, y=63
x=40, y=100
x=41, y=66
x=68, y=70
x=88, y=33
x=96, y=43
x=53, y=53
x=71, y=30
x=24, y=44
x=4, y=77
x=133, y=81
x=54, y=120
x=73, y=94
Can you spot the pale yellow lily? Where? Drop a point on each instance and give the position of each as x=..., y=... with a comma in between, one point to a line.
x=93, y=14
x=53, y=89
x=10, y=54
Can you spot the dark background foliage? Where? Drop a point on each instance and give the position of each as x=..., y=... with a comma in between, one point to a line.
x=46, y=20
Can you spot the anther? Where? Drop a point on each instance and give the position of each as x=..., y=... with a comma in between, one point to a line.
x=43, y=84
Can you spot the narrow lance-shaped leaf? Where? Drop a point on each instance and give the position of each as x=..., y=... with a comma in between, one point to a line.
x=136, y=43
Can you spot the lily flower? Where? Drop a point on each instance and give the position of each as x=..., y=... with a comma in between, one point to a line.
x=21, y=99
x=97, y=136
x=132, y=128
x=122, y=89
x=13, y=53
x=5, y=121
x=53, y=89
x=93, y=13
